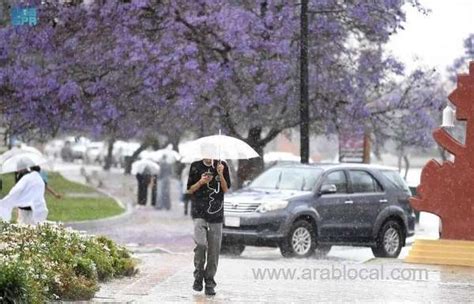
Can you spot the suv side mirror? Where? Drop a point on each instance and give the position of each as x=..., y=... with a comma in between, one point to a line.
x=328, y=189
x=246, y=183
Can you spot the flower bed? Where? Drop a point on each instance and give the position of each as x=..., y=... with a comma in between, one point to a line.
x=50, y=262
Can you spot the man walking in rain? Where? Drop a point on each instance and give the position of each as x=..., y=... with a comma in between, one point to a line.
x=208, y=181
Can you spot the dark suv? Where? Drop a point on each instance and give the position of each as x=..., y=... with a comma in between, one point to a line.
x=308, y=208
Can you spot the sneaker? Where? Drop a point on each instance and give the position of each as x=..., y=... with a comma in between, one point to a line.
x=210, y=291
x=197, y=286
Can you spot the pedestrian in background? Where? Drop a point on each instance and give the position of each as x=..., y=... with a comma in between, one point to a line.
x=27, y=192
x=44, y=176
x=166, y=171
x=143, y=180
x=185, y=197
x=25, y=213
x=154, y=190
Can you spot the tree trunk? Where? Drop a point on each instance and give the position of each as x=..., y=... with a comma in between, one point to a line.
x=367, y=148
x=250, y=168
x=149, y=141
x=233, y=174
x=407, y=165
x=400, y=154
x=4, y=16
x=109, y=158
x=7, y=140
x=399, y=163
x=129, y=160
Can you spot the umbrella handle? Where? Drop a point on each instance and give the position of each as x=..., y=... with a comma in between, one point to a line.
x=220, y=133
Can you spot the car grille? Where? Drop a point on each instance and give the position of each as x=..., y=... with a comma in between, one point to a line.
x=240, y=207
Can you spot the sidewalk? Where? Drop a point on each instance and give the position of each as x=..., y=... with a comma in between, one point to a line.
x=155, y=268
x=168, y=279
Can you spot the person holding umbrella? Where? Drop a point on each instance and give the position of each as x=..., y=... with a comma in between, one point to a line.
x=208, y=181
x=166, y=170
x=144, y=170
x=27, y=192
x=25, y=214
x=44, y=176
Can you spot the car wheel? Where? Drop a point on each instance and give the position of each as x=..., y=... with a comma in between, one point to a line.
x=232, y=249
x=389, y=240
x=300, y=242
x=322, y=251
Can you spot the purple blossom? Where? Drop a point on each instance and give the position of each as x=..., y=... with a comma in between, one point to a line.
x=126, y=67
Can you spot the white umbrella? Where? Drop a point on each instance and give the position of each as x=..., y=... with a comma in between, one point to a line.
x=31, y=149
x=22, y=161
x=217, y=147
x=186, y=151
x=144, y=165
x=157, y=156
x=16, y=151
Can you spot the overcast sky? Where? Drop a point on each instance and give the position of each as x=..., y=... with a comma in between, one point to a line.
x=437, y=39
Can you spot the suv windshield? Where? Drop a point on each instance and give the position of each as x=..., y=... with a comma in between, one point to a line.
x=301, y=179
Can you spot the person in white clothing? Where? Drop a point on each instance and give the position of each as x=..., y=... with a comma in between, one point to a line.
x=27, y=192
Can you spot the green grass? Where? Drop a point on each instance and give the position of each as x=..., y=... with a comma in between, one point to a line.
x=72, y=208
x=7, y=183
x=56, y=181
x=81, y=209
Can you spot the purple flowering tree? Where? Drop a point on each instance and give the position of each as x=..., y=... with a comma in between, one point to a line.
x=83, y=68
x=407, y=113
x=247, y=52
x=461, y=63
x=147, y=67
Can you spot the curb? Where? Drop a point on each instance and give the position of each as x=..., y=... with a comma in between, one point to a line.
x=151, y=250
x=82, y=225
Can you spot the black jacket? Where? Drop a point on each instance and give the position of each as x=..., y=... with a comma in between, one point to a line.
x=208, y=201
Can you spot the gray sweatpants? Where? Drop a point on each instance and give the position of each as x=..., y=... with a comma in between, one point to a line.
x=208, y=237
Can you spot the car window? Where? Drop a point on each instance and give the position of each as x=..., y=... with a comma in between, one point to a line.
x=268, y=179
x=363, y=182
x=395, y=178
x=298, y=179
x=337, y=178
x=288, y=178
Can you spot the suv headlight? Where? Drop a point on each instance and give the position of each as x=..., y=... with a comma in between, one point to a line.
x=271, y=206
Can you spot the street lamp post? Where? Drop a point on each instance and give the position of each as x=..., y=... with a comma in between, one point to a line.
x=304, y=95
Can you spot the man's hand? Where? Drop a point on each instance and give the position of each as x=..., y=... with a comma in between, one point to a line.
x=220, y=169
x=205, y=178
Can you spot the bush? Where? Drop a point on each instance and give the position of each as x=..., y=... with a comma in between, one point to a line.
x=50, y=262
x=16, y=286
